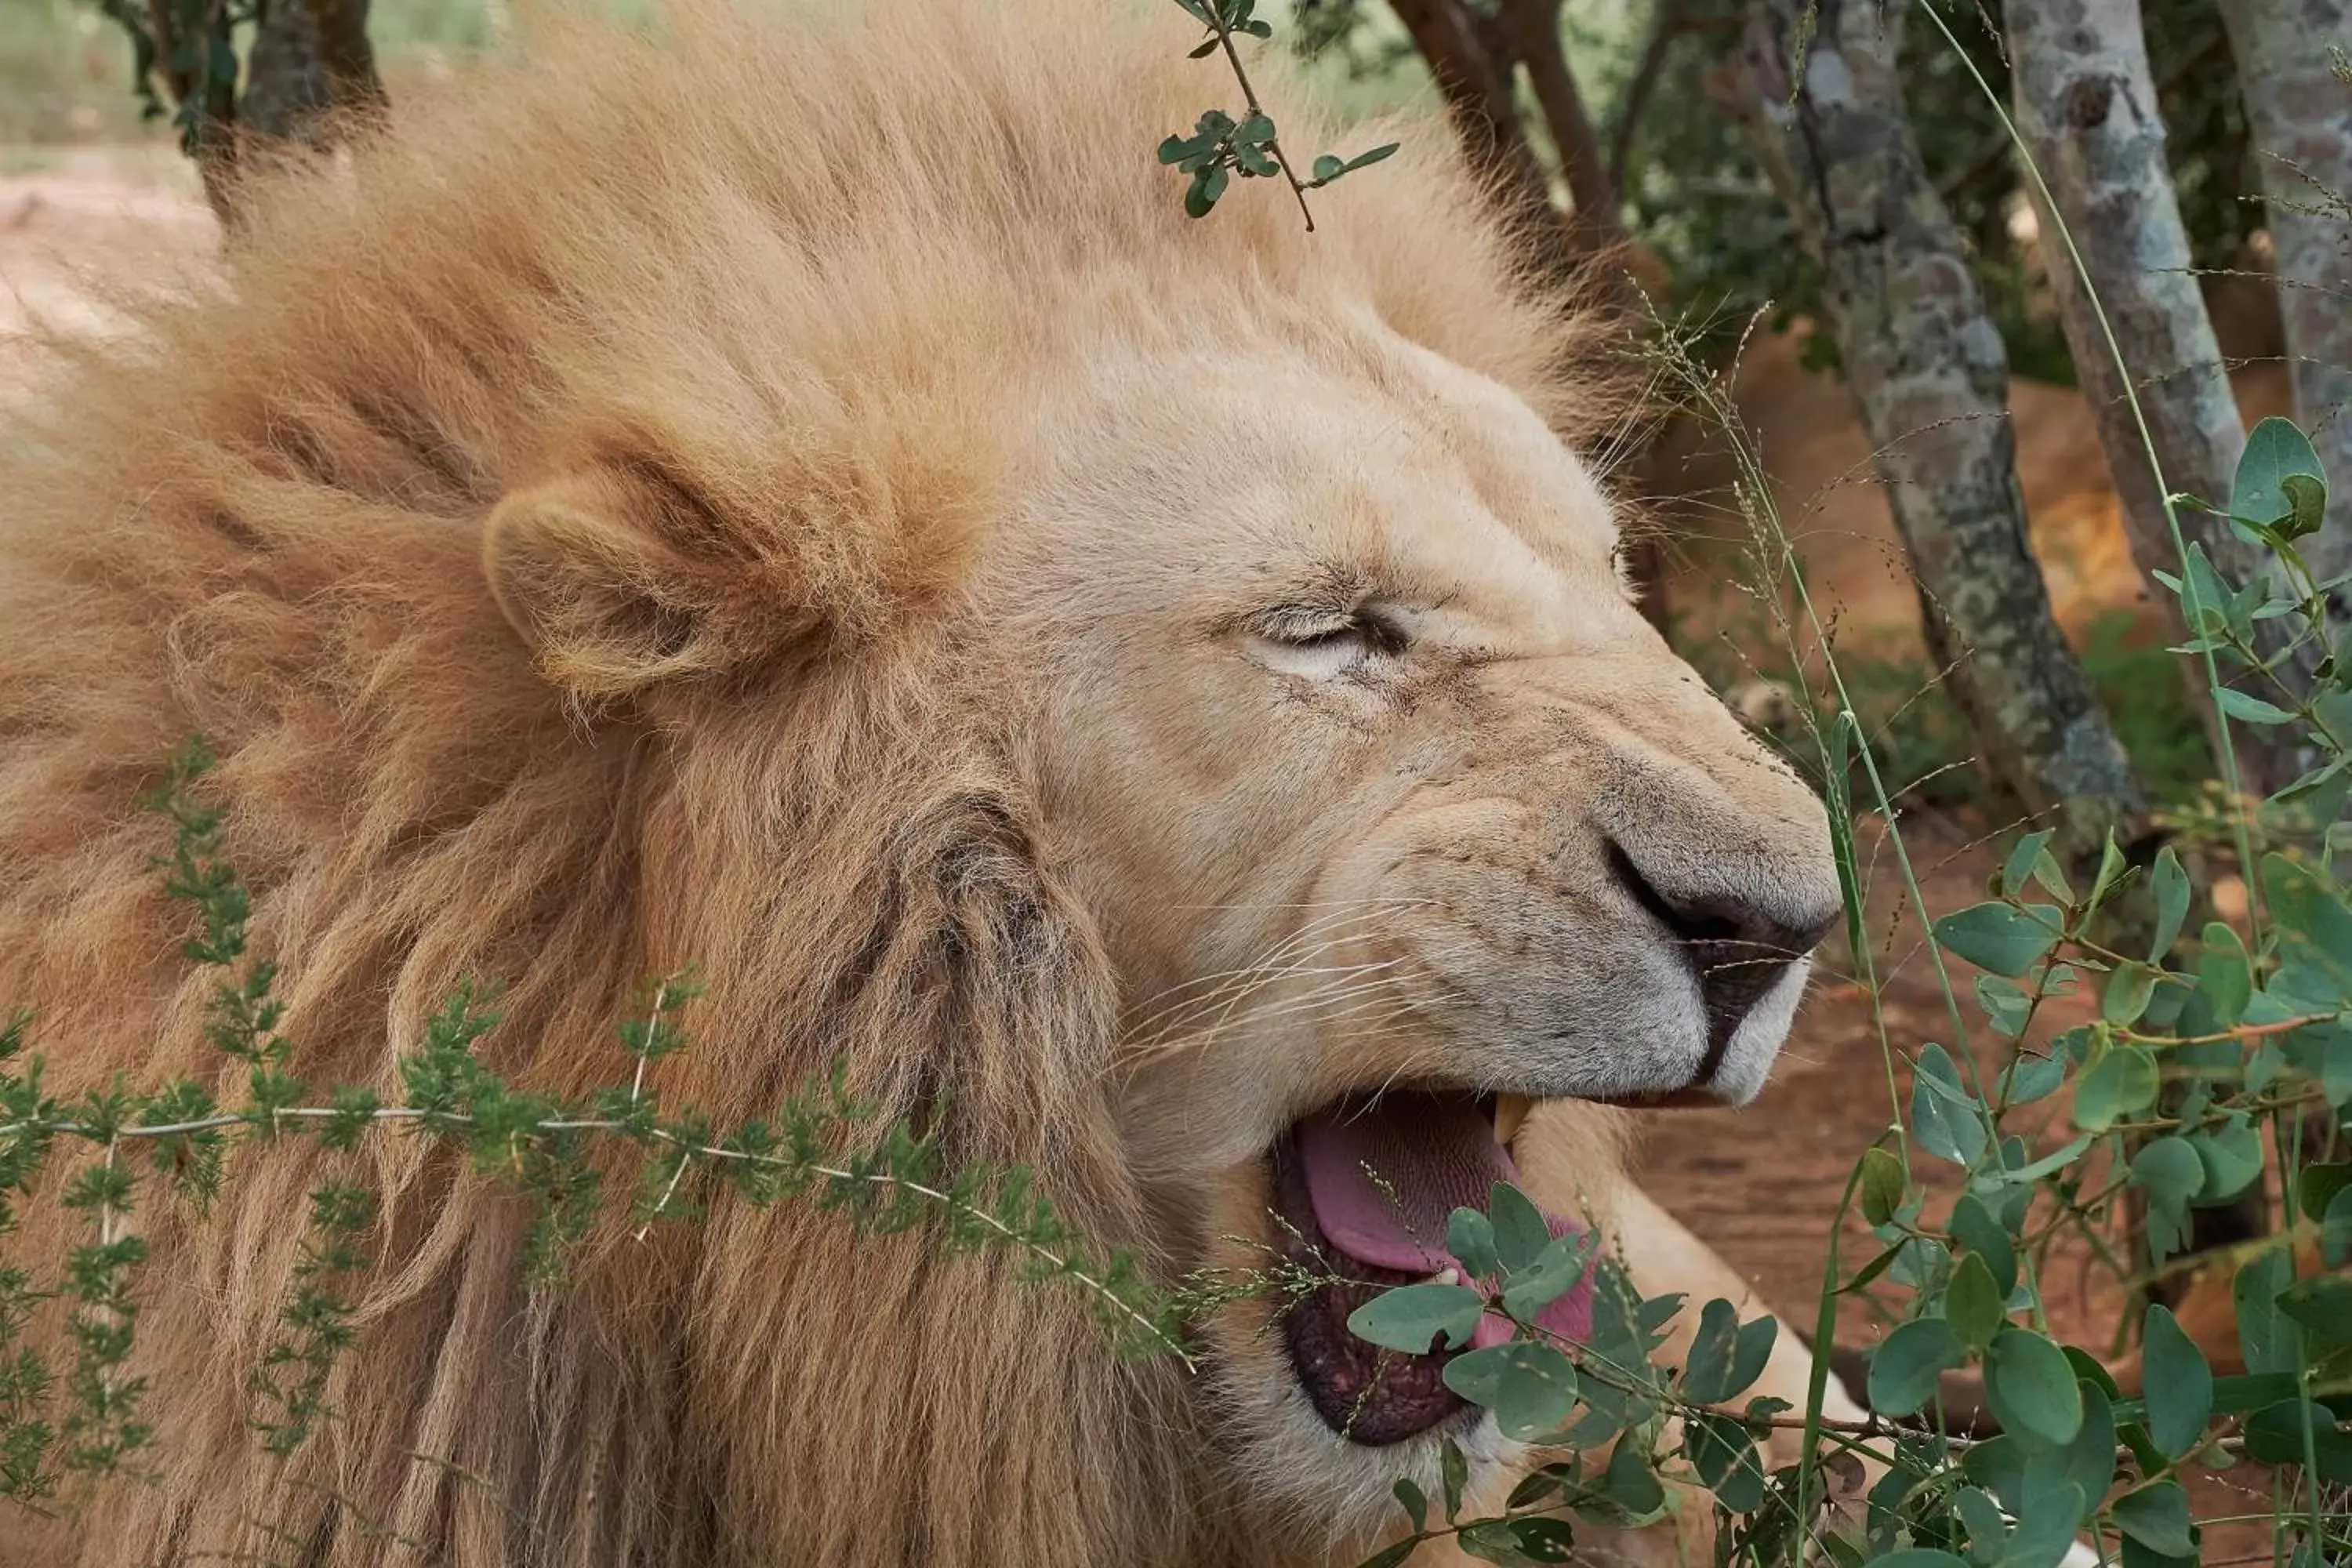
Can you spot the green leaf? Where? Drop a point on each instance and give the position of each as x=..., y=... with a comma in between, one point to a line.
x=1972, y=1305
x=2274, y=1435
x=2267, y=1339
x=2121, y=1084
x=1943, y=1116
x=2322, y=1305
x=2225, y=975
x=1553, y=1274
x=1411, y=1318
x=2170, y=884
x=2252, y=709
x=1918, y=1557
x=1390, y=1556
x=2046, y=1528
x=1327, y=168
x=2157, y=1516
x=2128, y=992
x=2317, y=1187
x=1454, y=1470
x=2171, y=1173
x=1521, y=1235
x=2020, y=865
x=2315, y=933
x=1727, y=1356
x=2089, y=1467
x=1471, y=1240
x=1409, y=1497
x=1904, y=1370
x=1630, y=1482
x=2336, y=1231
x=2031, y=1386
x=2274, y=449
x=2030, y=1077
x=1386, y=150
x=1705, y=1380
x=1988, y=1532
x=2231, y=1154
x=1201, y=194
x=2001, y=938
x=2180, y=1386
x=2307, y=496
x=1529, y=1386
x=2005, y=1005
x=1882, y=1186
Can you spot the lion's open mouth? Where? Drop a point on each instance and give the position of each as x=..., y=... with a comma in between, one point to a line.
x=1365, y=1188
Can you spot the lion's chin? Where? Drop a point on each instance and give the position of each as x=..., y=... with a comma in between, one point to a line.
x=1364, y=1190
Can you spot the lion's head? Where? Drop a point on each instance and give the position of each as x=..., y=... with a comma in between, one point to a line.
x=811, y=503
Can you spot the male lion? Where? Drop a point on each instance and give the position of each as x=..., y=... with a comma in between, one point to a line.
x=808, y=501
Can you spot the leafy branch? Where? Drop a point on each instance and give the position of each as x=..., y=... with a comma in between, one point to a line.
x=1221, y=146
x=819, y=1146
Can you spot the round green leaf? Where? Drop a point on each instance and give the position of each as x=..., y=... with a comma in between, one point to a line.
x=2157, y=1516
x=1530, y=1386
x=2275, y=1435
x=1903, y=1370
x=2274, y=449
x=2122, y=1083
x=2130, y=987
x=2031, y=1387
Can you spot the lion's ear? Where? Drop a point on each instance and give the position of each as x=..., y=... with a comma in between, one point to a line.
x=599, y=573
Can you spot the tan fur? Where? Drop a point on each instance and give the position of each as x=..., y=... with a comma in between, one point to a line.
x=613, y=523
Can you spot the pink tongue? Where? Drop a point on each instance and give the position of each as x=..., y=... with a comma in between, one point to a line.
x=1427, y=1155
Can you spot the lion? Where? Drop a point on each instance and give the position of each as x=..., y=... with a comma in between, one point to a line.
x=1152, y=700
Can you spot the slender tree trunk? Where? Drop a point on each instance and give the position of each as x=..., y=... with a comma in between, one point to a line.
x=2086, y=108
x=2299, y=118
x=1594, y=219
x=1470, y=59
x=1930, y=378
x=349, y=59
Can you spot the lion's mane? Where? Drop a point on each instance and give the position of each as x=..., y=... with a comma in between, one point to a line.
x=805, y=278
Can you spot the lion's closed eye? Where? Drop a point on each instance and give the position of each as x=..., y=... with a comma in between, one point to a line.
x=1319, y=645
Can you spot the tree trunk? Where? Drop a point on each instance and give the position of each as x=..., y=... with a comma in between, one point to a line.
x=1930, y=378
x=1593, y=220
x=2299, y=118
x=1476, y=73
x=354, y=88
x=286, y=93
x=2087, y=110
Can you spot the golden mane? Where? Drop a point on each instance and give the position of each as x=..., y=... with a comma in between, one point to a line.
x=798, y=279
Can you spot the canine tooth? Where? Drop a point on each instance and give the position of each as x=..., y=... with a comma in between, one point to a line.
x=1510, y=1109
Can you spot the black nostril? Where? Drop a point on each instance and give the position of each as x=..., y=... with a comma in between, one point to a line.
x=1738, y=950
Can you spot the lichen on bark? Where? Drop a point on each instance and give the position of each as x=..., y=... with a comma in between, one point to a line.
x=1930, y=376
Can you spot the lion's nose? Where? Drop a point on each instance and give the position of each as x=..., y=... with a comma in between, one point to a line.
x=1735, y=945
